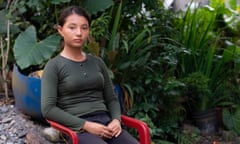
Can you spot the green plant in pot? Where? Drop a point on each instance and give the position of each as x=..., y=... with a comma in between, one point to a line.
x=201, y=102
x=198, y=92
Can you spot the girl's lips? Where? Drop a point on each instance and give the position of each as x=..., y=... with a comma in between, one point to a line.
x=77, y=40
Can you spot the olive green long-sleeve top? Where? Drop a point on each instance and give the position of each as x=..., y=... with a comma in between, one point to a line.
x=71, y=89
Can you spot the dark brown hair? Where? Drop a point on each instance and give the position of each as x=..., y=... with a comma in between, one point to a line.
x=73, y=10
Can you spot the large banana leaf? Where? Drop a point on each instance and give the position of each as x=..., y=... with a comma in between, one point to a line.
x=94, y=6
x=28, y=51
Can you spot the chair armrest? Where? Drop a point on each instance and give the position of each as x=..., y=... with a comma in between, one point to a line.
x=142, y=128
x=64, y=130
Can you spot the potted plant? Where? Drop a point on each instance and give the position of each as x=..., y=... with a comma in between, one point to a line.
x=198, y=92
x=26, y=88
x=201, y=102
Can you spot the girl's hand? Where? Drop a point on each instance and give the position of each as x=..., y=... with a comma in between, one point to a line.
x=115, y=127
x=98, y=129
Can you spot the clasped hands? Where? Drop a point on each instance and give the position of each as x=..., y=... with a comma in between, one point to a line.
x=113, y=129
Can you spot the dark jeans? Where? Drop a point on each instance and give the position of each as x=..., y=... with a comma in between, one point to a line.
x=104, y=118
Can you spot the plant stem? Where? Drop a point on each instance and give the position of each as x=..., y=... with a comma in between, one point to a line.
x=5, y=59
x=3, y=67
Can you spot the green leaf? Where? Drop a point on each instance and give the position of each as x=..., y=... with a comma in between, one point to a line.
x=227, y=119
x=232, y=119
x=28, y=51
x=3, y=22
x=94, y=6
x=59, y=1
x=233, y=4
x=216, y=3
x=115, y=27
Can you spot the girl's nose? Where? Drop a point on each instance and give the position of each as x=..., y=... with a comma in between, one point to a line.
x=79, y=31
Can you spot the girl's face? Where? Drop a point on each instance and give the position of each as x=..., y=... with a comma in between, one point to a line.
x=74, y=31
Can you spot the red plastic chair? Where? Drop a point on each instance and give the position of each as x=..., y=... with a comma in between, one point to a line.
x=141, y=127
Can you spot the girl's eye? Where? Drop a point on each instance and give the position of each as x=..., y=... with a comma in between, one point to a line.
x=71, y=27
x=85, y=27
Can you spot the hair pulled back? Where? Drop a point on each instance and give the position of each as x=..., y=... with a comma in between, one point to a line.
x=73, y=10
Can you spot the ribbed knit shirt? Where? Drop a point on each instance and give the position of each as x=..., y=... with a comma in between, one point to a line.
x=71, y=89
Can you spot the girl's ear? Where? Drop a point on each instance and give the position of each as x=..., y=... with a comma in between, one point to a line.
x=59, y=29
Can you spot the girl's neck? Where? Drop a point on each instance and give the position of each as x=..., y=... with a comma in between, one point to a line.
x=76, y=55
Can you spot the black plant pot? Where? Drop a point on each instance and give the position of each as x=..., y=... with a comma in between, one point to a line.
x=206, y=121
